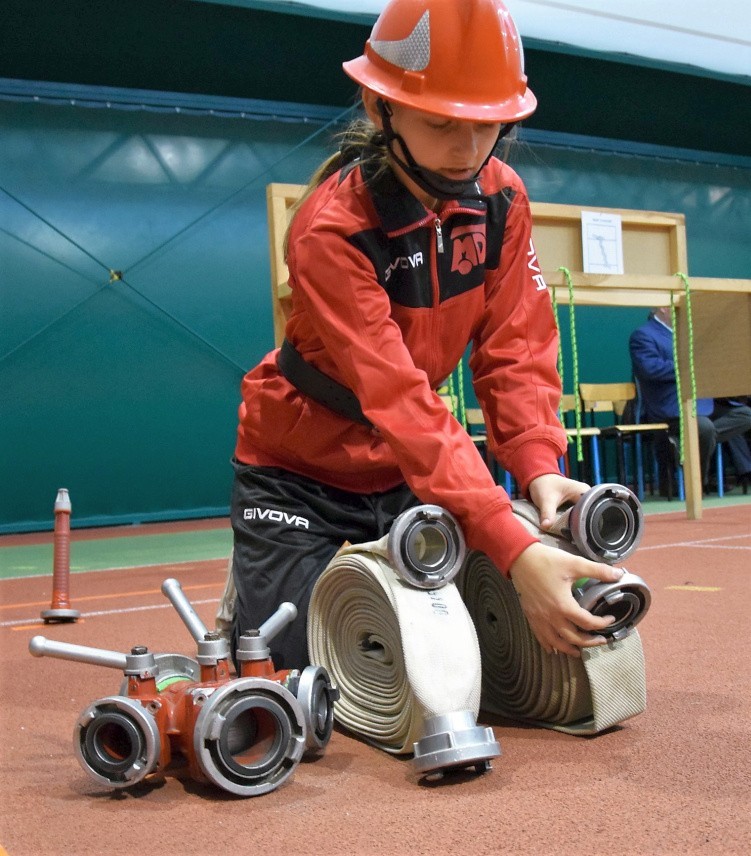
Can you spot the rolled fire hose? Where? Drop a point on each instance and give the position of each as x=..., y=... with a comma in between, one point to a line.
x=404, y=658
x=520, y=680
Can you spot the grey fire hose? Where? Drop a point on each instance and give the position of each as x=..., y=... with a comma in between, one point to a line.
x=520, y=681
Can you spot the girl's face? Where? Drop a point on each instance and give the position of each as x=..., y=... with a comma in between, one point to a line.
x=454, y=148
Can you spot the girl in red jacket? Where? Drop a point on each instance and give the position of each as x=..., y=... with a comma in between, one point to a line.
x=412, y=243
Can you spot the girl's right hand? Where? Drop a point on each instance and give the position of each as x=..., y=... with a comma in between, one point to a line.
x=543, y=577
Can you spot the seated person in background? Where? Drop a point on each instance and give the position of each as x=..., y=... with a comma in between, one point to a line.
x=738, y=444
x=724, y=420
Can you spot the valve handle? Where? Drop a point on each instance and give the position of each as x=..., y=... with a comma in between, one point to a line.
x=138, y=662
x=40, y=646
x=172, y=589
x=284, y=615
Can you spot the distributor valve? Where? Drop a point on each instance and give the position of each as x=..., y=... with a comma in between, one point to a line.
x=245, y=734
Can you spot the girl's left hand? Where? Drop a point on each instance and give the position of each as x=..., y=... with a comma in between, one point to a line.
x=549, y=492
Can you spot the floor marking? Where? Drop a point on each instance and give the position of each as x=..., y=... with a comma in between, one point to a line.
x=33, y=624
x=83, y=570
x=693, y=588
x=701, y=543
x=110, y=595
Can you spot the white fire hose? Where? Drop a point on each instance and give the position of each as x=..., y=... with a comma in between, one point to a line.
x=397, y=666
x=520, y=681
x=405, y=659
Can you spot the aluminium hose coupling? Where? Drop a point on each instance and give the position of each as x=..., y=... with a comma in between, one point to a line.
x=249, y=735
x=453, y=741
x=426, y=546
x=627, y=600
x=316, y=694
x=606, y=523
x=117, y=741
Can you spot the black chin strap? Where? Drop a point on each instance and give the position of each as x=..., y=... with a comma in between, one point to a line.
x=431, y=182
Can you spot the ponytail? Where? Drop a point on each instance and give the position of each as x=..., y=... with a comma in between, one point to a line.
x=360, y=141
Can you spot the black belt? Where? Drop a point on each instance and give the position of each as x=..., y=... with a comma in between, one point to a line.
x=308, y=380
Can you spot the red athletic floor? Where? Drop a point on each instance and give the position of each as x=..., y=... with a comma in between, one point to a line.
x=675, y=780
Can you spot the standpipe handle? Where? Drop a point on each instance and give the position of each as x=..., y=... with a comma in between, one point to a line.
x=40, y=646
x=285, y=614
x=172, y=589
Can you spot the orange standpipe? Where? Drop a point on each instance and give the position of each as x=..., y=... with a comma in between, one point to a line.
x=60, y=609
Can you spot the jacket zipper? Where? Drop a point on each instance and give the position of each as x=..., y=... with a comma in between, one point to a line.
x=438, y=235
x=434, y=324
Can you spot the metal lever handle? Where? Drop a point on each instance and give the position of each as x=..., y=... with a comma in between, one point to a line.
x=172, y=589
x=40, y=646
x=284, y=615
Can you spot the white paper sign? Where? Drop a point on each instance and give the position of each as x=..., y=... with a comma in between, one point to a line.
x=602, y=242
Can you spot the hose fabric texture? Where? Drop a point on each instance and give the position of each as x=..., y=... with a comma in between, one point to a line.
x=520, y=681
x=397, y=654
x=400, y=655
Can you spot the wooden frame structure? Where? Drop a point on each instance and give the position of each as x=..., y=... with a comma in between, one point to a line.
x=280, y=202
x=654, y=251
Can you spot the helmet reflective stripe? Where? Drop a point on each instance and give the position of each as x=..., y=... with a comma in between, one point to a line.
x=412, y=53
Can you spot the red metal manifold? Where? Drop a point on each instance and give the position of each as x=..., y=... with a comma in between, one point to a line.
x=245, y=734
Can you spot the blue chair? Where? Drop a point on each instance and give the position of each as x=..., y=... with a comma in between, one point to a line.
x=592, y=470
x=616, y=402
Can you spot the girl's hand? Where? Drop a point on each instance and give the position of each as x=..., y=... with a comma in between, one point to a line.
x=543, y=577
x=550, y=492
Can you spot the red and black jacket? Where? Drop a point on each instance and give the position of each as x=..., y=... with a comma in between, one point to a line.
x=386, y=297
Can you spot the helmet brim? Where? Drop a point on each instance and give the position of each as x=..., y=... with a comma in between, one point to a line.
x=367, y=73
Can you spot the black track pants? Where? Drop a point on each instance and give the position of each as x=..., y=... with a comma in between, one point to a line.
x=287, y=529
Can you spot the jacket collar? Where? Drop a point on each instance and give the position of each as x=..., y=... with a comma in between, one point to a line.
x=397, y=208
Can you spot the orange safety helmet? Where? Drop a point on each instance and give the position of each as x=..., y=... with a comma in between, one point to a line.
x=461, y=59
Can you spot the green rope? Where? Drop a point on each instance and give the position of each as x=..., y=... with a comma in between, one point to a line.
x=691, y=368
x=54, y=228
x=457, y=399
x=677, y=379
x=574, y=362
x=462, y=403
x=46, y=327
x=560, y=341
x=50, y=257
x=116, y=276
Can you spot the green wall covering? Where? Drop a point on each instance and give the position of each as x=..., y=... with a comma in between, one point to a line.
x=125, y=391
